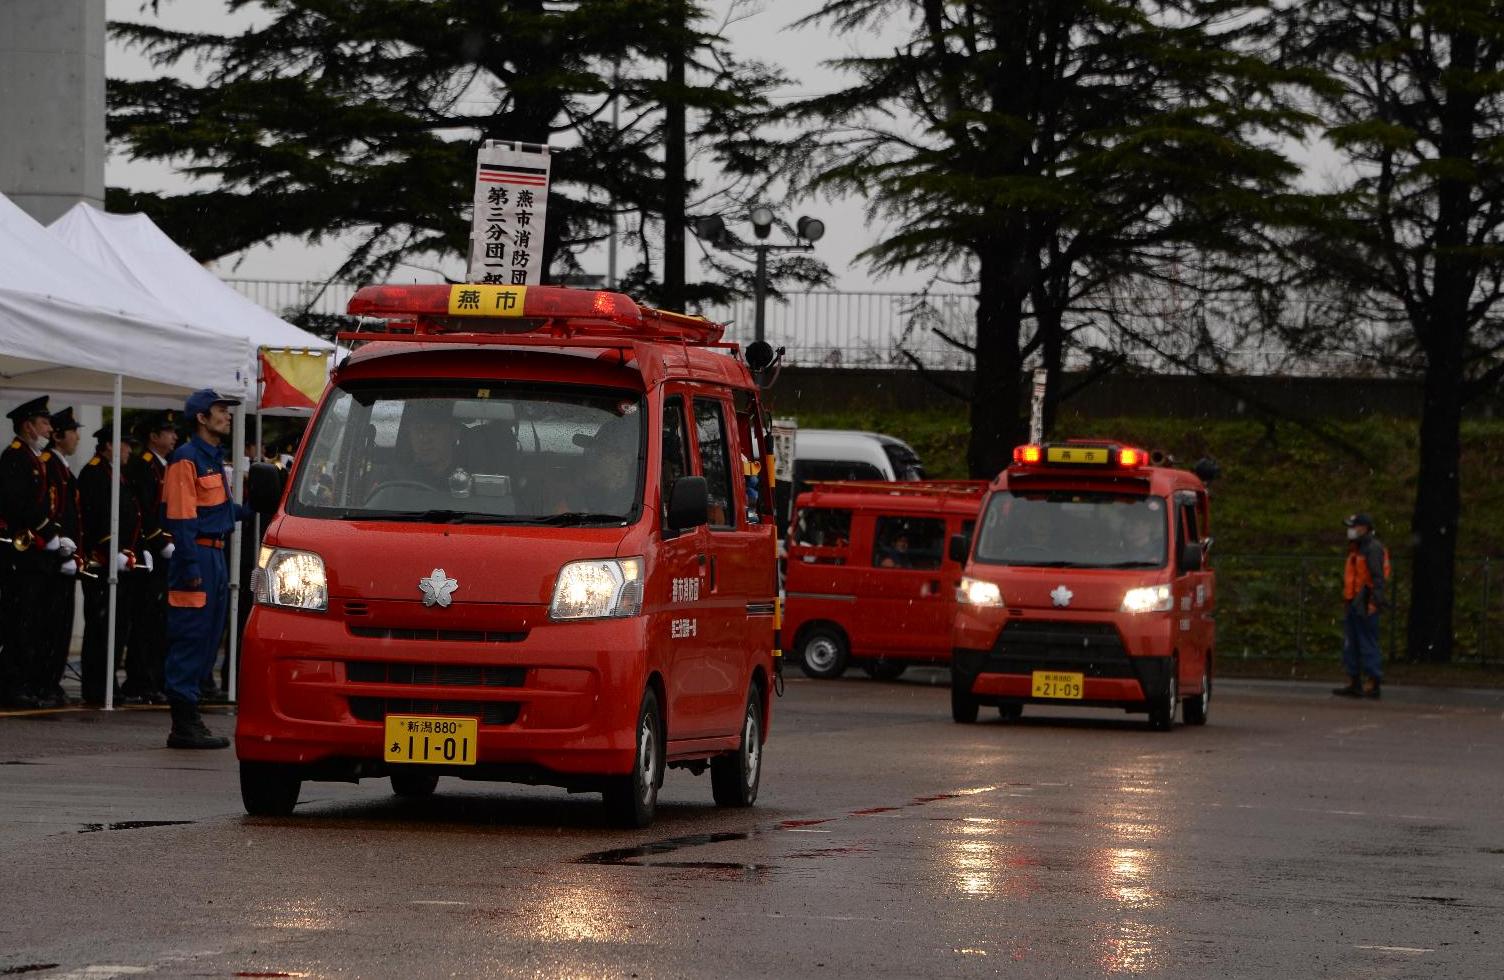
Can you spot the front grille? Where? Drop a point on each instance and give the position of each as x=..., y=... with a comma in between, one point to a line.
x=489, y=712
x=438, y=675
x=450, y=636
x=1094, y=649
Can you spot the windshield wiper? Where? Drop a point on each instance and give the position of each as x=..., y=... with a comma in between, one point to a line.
x=437, y=516
x=578, y=517
x=1142, y=563
x=1051, y=564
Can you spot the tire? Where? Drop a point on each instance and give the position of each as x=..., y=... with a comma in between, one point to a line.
x=963, y=707
x=884, y=670
x=734, y=778
x=414, y=785
x=268, y=789
x=632, y=800
x=824, y=653
x=1193, y=710
x=1162, y=708
x=1010, y=712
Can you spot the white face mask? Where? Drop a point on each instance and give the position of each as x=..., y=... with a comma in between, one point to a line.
x=39, y=443
x=1353, y=534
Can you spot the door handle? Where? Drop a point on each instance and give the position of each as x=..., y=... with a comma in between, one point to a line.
x=934, y=587
x=712, y=573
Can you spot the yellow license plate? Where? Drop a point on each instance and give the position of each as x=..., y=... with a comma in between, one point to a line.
x=1051, y=684
x=1076, y=454
x=425, y=738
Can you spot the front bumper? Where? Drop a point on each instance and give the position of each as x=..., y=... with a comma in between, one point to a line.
x=556, y=702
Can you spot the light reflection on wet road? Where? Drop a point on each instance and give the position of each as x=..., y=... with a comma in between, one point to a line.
x=1293, y=837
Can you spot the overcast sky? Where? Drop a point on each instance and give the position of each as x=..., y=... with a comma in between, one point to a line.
x=762, y=32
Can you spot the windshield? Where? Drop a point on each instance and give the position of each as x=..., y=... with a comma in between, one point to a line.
x=474, y=452
x=1073, y=530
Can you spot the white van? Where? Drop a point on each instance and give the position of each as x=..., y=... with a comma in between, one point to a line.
x=845, y=454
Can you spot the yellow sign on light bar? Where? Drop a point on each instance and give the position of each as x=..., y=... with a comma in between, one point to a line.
x=1096, y=456
x=477, y=300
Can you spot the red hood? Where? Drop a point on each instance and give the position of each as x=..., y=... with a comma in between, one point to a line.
x=1090, y=590
x=377, y=560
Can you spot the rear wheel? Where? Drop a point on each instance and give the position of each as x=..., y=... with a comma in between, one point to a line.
x=632, y=800
x=885, y=670
x=825, y=653
x=963, y=707
x=734, y=778
x=1193, y=710
x=414, y=784
x=1162, y=708
x=268, y=789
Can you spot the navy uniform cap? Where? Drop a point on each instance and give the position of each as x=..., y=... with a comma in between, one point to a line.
x=157, y=422
x=64, y=421
x=25, y=411
x=106, y=433
x=1353, y=520
x=205, y=399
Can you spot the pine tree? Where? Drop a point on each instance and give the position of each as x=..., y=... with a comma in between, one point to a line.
x=1050, y=148
x=364, y=116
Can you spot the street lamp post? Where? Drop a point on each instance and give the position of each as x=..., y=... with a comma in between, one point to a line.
x=713, y=229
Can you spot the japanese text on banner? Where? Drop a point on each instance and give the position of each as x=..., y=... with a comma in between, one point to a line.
x=511, y=205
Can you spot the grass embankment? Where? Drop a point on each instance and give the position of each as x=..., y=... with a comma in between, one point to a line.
x=1277, y=521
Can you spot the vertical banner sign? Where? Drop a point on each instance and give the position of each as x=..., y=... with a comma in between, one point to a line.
x=511, y=205
x=1036, y=407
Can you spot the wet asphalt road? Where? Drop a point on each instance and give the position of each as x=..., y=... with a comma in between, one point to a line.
x=1295, y=836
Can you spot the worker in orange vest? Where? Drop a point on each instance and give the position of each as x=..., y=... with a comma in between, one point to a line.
x=1365, y=580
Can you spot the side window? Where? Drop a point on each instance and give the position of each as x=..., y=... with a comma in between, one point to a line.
x=1187, y=531
x=675, y=446
x=908, y=542
x=749, y=433
x=823, y=527
x=715, y=461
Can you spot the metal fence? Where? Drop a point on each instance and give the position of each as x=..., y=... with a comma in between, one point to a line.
x=1290, y=607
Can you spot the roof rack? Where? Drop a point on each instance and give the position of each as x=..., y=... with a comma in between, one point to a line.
x=484, y=313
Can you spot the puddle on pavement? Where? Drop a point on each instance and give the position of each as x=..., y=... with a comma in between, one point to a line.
x=94, y=828
x=633, y=855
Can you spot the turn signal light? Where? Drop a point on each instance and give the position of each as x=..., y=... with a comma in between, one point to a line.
x=1028, y=454
x=1131, y=457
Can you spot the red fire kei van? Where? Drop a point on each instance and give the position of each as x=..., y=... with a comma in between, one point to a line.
x=869, y=579
x=1087, y=584
x=527, y=538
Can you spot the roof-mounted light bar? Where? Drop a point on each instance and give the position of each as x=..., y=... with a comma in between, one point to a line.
x=1106, y=455
x=436, y=309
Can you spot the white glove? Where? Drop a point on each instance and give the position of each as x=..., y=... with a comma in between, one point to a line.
x=69, y=567
x=146, y=560
x=123, y=561
x=65, y=546
x=167, y=550
x=54, y=544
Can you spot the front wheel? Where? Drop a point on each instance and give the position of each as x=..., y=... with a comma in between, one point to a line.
x=632, y=800
x=1193, y=710
x=824, y=653
x=734, y=778
x=963, y=707
x=1162, y=708
x=268, y=789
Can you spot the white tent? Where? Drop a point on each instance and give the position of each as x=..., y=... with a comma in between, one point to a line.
x=133, y=248
x=71, y=329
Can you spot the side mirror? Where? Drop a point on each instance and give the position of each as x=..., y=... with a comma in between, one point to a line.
x=960, y=547
x=1191, y=557
x=688, y=503
x=263, y=487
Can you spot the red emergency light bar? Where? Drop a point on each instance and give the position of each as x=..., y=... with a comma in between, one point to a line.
x=1080, y=454
x=485, y=309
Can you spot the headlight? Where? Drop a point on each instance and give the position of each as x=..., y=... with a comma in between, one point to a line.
x=975, y=592
x=294, y=579
x=606, y=587
x=1150, y=598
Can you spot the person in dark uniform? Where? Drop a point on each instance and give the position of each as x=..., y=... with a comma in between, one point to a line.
x=132, y=563
x=36, y=541
x=200, y=515
x=61, y=589
x=146, y=647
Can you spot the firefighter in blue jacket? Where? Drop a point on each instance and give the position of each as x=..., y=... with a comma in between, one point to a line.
x=198, y=512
